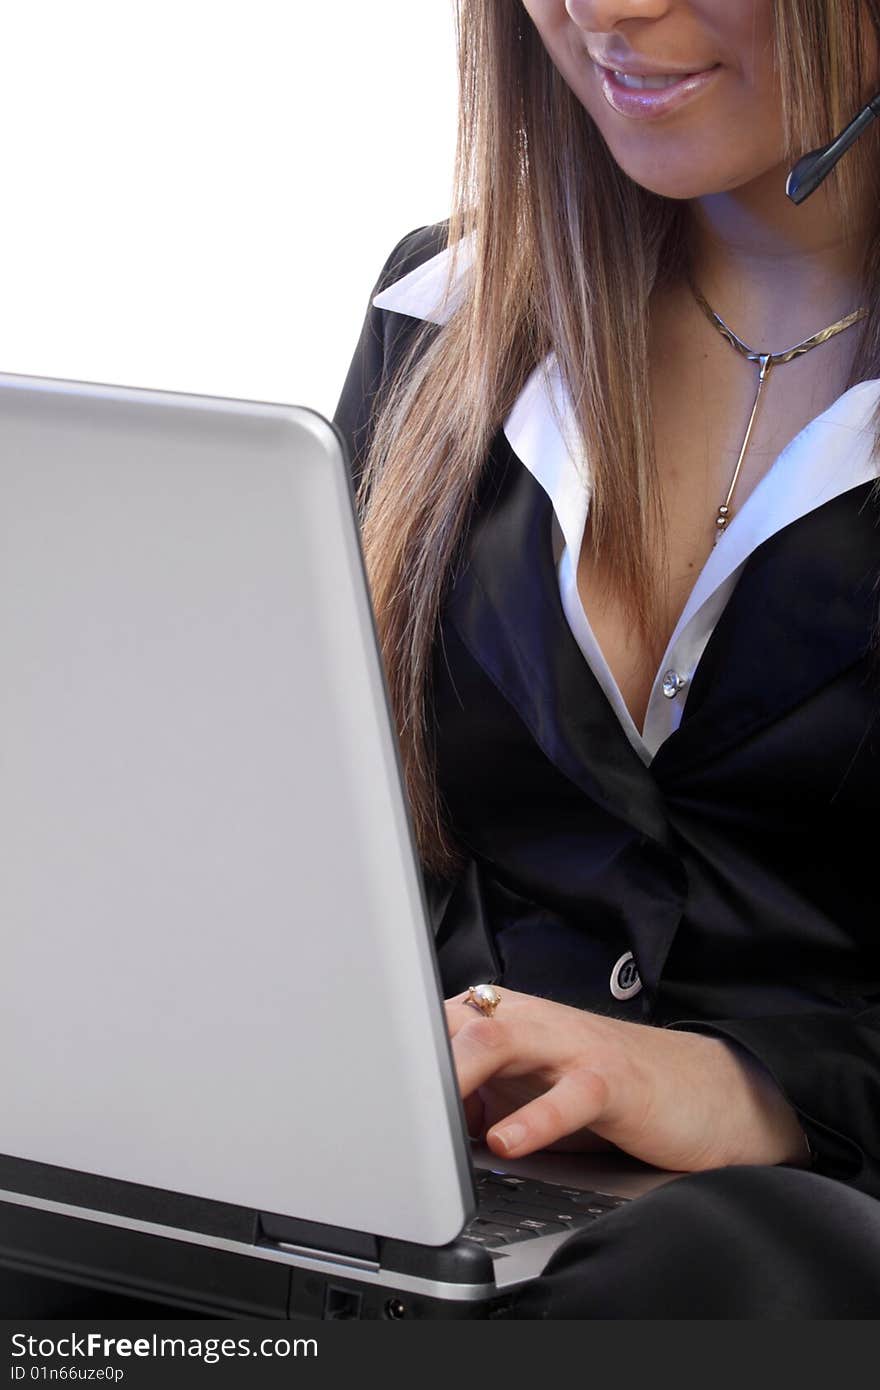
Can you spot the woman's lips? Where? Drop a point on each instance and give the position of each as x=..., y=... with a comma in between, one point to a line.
x=647, y=103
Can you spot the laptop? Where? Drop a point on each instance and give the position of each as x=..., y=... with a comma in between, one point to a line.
x=228, y=1083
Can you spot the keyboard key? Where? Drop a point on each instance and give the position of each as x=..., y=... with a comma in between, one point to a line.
x=530, y=1205
x=495, y=1235
x=598, y=1202
x=516, y=1211
x=499, y=1184
x=490, y=1233
x=543, y=1228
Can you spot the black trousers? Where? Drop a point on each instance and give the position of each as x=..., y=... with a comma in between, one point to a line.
x=749, y=1242
x=757, y=1243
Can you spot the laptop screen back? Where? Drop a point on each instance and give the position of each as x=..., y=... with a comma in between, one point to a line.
x=216, y=976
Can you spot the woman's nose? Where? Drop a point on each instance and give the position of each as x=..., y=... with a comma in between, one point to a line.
x=600, y=16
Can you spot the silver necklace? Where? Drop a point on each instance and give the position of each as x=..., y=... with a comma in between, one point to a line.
x=767, y=361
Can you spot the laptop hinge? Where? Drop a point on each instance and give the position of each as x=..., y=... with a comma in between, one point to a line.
x=335, y=1243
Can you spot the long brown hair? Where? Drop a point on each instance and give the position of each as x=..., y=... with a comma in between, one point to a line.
x=568, y=250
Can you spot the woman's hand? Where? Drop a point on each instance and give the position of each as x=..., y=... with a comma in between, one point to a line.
x=539, y=1074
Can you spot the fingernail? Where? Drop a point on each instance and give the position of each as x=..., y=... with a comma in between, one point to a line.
x=511, y=1136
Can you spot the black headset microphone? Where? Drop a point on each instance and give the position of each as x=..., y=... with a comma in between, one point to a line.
x=809, y=172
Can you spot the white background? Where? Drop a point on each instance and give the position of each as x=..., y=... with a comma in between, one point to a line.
x=199, y=194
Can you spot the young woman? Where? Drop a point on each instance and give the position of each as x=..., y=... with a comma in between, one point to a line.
x=623, y=547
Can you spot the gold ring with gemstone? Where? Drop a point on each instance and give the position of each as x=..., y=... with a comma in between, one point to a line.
x=483, y=997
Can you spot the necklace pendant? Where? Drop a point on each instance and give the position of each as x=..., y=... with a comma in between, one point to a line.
x=721, y=521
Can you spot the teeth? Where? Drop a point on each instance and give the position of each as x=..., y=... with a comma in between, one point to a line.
x=651, y=83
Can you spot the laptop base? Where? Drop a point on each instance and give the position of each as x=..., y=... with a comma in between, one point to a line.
x=183, y=1279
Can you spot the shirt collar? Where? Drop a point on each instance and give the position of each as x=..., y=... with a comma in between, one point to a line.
x=540, y=428
x=429, y=292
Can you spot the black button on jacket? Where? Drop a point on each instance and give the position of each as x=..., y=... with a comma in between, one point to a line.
x=740, y=867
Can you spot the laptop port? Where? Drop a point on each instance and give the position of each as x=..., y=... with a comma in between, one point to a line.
x=342, y=1303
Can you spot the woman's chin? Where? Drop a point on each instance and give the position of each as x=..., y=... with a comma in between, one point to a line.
x=680, y=184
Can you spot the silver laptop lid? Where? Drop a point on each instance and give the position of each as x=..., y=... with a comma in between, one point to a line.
x=217, y=976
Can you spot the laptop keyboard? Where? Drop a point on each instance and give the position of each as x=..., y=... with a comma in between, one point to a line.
x=512, y=1209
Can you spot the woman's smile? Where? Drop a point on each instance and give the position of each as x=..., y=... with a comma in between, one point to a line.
x=650, y=97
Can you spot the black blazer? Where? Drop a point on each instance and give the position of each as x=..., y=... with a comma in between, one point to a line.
x=740, y=867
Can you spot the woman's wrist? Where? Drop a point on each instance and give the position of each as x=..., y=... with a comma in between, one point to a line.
x=774, y=1134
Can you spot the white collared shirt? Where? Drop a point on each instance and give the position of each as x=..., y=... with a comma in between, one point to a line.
x=831, y=455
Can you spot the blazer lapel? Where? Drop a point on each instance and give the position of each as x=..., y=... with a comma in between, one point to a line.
x=802, y=611
x=506, y=608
